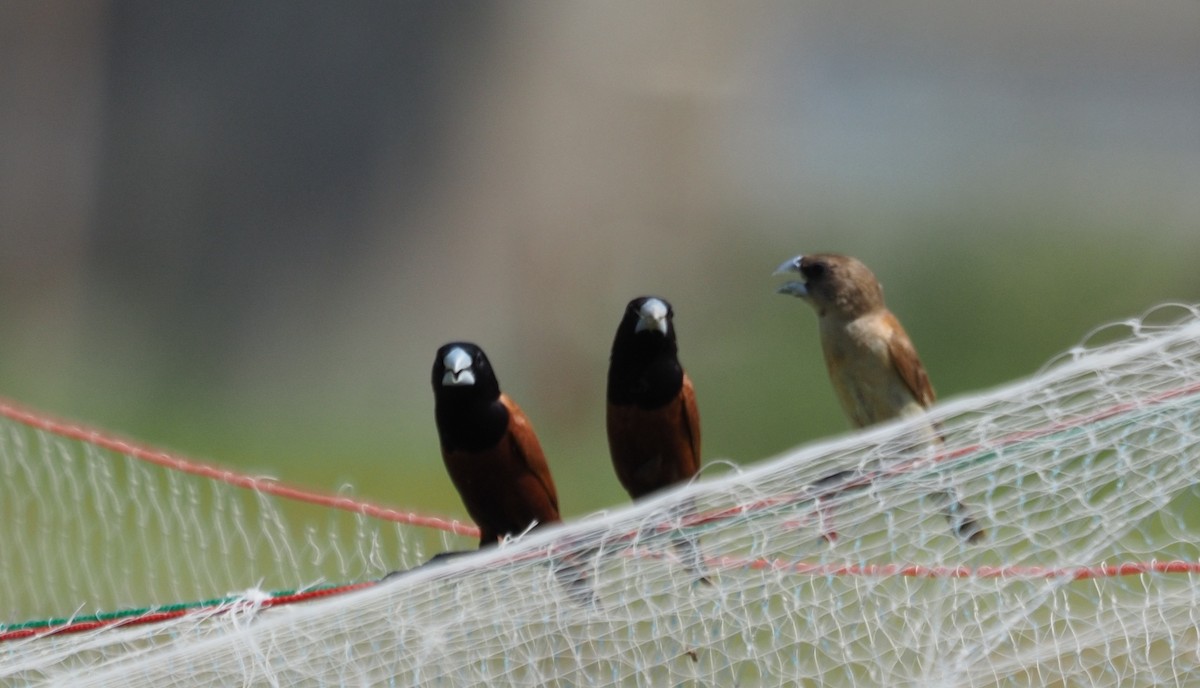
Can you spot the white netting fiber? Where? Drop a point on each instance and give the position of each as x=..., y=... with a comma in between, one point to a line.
x=1085, y=477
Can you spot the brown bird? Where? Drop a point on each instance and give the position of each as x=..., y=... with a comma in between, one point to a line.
x=488, y=445
x=872, y=363
x=653, y=425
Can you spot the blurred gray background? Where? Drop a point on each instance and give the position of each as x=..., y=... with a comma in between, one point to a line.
x=240, y=230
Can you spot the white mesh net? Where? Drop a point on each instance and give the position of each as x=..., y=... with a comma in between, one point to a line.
x=1085, y=477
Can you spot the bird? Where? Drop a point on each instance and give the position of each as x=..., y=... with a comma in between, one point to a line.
x=492, y=453
x=872, y=363
x=652, y=421
x=489, y=447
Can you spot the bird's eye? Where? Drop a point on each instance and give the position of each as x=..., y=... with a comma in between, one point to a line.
x=813, y=270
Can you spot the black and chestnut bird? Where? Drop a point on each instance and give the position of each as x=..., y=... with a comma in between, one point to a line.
x=872, y=363
x=490, y=450
x=493, y=456
x=653, y=425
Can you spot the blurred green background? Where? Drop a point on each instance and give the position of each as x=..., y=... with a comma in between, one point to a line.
x=240, y=230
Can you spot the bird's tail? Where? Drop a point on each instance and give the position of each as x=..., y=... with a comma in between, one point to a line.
x=571, y=570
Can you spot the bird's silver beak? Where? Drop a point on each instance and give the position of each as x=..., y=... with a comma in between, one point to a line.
x=458, y=369
x=798, y=289
x=652, y=316
x=789, y=265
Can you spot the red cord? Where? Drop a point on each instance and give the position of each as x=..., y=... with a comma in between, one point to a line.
x=73, y=431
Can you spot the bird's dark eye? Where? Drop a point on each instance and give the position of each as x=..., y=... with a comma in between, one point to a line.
x=813, y=270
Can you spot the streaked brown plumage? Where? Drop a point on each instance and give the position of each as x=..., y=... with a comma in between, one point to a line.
x=873, y=365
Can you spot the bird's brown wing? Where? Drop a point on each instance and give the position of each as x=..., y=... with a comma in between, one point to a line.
x=528, y=455
x=691, y=423
x=655, y=448
x=908, y=363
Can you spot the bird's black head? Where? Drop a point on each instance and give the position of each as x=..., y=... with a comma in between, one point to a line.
x=466, y=395
x=833, y=283
x=644, y=367
x=461, y=369
x=648, y=319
